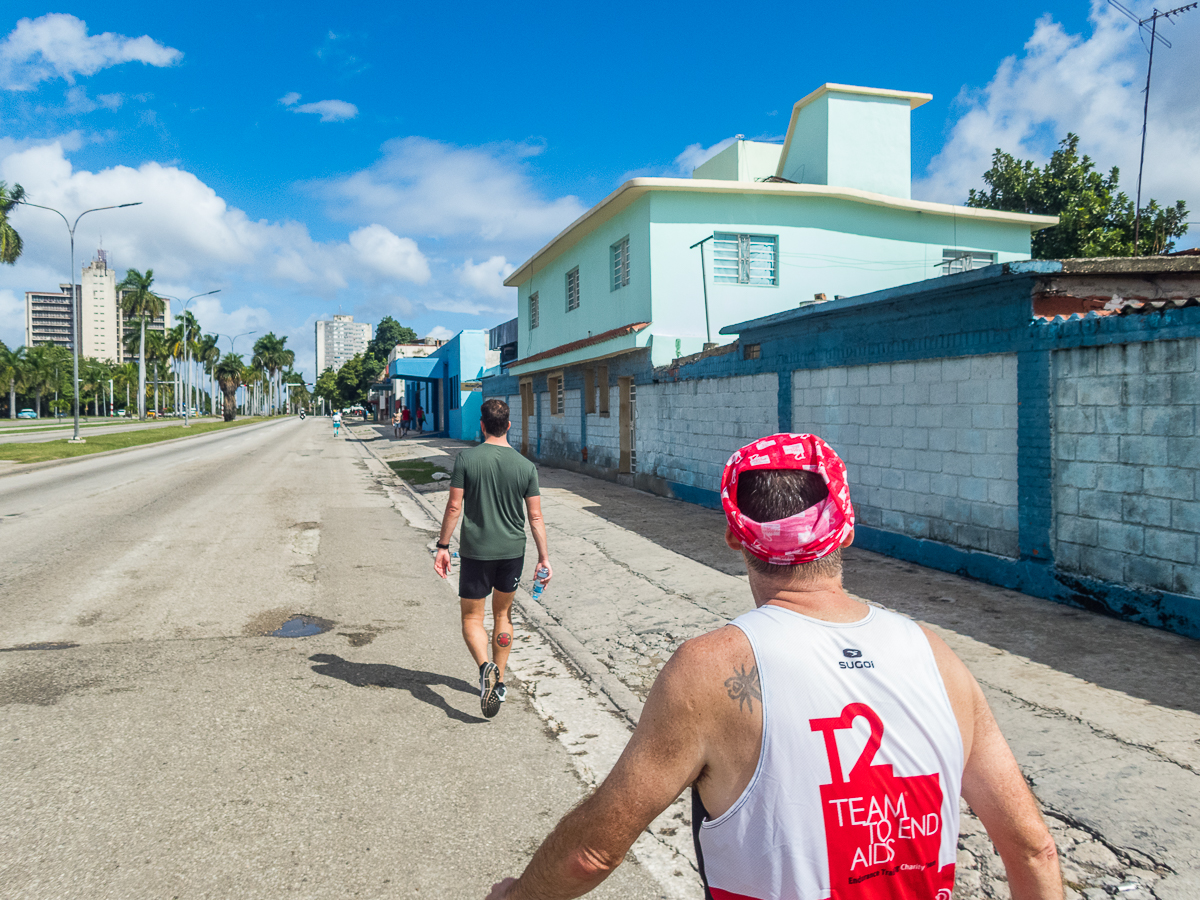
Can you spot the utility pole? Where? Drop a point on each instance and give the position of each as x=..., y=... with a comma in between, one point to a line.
x=1154, y=37
x=704, y=282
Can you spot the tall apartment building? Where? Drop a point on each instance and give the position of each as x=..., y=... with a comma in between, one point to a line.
x=48, y=317
x=99, y=320
x=340, y=340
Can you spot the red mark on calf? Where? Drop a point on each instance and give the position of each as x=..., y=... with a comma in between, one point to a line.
x=503, y=639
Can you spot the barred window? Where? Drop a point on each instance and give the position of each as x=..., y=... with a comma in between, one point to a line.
x=533, y=310
x=620, y=263
x=745, y=258
x=955, y=261
x=573, y=289
x=752, y=351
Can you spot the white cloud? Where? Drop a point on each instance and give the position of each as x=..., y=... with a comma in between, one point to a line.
x=328, y=110
x=388, y=255
x=425, y=186
x=488, y=276
x=455, y=305
x=695, y=154
x=440, y=333
x=58, y=45
x=1092, y=86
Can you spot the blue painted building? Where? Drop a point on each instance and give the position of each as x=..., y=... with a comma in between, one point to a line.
x=1034, y=424
x=447, y=384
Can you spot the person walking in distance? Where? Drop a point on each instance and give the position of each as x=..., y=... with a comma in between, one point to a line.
x=405, y=419
x=493, y=487
x=419, y=419
x=826, y=742
x=337, y=422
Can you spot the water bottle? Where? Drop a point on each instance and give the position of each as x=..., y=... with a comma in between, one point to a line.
x=539, y=581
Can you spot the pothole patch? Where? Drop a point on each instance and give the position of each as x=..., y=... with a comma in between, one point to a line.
x=271, y=621
x=41, y=645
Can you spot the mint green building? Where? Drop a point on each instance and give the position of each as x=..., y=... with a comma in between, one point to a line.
x=827, y=213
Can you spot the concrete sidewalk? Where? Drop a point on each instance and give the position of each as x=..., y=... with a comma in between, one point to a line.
x=1100, y=713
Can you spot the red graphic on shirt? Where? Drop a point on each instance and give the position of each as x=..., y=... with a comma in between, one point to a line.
x=883, y=832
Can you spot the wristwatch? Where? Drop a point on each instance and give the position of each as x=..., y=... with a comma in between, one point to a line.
x=443, y=546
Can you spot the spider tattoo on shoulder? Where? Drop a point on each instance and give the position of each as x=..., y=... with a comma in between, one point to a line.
x=744, y=687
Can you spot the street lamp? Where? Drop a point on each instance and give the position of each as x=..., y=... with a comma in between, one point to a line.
x=76, y=316
x=187, y=393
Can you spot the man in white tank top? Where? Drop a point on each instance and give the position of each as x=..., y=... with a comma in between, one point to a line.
x=826, y=742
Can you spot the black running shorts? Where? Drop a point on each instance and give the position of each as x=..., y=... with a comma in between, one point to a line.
x=477, y=577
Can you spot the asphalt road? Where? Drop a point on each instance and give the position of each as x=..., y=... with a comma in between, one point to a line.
x=56, y=431
x=155, y=742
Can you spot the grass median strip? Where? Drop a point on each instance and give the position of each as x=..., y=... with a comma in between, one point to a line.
x=417, y=471
x=48, y=450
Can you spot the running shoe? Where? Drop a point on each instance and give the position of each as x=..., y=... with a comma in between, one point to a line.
x=489, y=698
x=501, y=691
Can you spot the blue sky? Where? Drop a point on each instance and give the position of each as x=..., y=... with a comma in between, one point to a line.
x=400, y=159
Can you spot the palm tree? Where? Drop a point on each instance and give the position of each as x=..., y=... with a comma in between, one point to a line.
x=229, y=370
x=10, y=241
x=46, y=365
x=138, y=300
x=12, y=370
x=125, y=376
x=207, y=354
x=156, y=349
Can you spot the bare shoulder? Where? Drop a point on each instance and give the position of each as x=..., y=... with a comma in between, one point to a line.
x=719, y=664
x=963, y=690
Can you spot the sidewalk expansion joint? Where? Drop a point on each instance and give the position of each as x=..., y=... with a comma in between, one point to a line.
x=1054, y=712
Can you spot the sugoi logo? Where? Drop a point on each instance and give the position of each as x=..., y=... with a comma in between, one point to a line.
x=853, y=660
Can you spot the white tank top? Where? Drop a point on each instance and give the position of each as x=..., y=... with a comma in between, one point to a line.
x=855, y=796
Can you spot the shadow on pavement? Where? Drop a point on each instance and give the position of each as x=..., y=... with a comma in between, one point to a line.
x=419, y=684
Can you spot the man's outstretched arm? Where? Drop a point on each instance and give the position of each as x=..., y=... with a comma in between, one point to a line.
x=664, y=756
x=441, y=561
x=537, y=524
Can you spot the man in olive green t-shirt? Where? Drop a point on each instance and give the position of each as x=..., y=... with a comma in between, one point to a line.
x=492, y=487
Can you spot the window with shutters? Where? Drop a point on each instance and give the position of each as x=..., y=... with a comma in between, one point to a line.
x=589, y=391
x=573, y=289
x=620, y=263
x=746, y=259
x=554, y=387
x=534, y=318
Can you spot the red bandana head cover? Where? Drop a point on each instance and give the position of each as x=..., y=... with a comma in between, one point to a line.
x=812, y=534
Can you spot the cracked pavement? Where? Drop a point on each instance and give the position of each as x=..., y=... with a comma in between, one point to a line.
x=1101, y=714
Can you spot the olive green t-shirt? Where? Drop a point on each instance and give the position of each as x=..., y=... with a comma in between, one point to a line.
x=495, y=481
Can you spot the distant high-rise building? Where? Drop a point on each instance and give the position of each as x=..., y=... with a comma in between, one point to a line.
x=339, y=341
x=98, y=320
x=48, y=317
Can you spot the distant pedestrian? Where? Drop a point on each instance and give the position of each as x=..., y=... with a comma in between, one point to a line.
x=396, y=424
x=493, y=487
x=420, y=419
x=405, y=420
x=337, y=423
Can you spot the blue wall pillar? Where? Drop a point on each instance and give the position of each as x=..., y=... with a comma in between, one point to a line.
x=1035, y=469
x=785, y=399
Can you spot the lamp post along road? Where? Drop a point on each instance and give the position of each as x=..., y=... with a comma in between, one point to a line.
x=187, y=381
x=76, y=315
x=232, y=343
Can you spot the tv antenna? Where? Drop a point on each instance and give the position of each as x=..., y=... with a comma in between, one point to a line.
x=1155, y=37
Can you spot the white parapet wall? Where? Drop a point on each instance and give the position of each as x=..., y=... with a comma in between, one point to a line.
x=930, y=446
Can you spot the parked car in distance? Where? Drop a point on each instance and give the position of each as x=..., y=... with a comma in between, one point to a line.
x=27, y=414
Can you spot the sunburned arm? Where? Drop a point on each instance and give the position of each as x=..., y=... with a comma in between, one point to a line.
x=995, y=788
x=665, y=755
x=537, y=524
x=441, y=561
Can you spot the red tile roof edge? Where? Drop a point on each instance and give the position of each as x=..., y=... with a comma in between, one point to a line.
x=600, y=338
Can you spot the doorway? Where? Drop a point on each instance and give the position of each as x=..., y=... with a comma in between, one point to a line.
x=526, y=407
x=627, y=426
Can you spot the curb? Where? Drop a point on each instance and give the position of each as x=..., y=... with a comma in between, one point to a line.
x=569, y=647
x=51, y=463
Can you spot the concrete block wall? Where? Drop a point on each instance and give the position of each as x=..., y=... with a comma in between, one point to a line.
x=603, y=437
x=561, y=434
x=687, y=430
x=930, y=445
x=1126, y=454
x=514, y=416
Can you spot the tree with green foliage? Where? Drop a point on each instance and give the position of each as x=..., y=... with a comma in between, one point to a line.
x=12, y=372
x=137, y=299
x=389, y=333
x=10, y=241
x=349, y=382
x=326, y=388
x=1095, y=217
x=229, y=370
